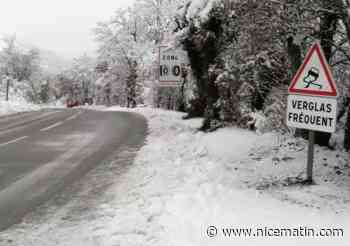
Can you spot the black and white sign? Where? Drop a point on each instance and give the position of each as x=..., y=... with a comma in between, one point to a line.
x=171, y=63
x=312, y=113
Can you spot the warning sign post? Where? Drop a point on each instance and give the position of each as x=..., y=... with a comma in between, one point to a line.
x=312, y=100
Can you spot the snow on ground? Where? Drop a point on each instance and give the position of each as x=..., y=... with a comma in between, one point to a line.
x=17, y=105
x=17, y=102
x=182, y=181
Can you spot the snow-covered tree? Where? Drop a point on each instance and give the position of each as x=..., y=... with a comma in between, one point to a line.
x=76, y=82
x=20, y=67
x=243, y=55
x=130, y=38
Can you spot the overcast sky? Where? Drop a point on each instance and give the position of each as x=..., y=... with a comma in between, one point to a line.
x=63, y=26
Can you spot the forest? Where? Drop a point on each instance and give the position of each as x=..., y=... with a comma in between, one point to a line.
x=242, y=57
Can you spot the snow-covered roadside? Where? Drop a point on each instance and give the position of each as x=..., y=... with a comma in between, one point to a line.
x=12, y=107
x=17, y=102
x=183, y=181
x=229, y=178
x=19, y=106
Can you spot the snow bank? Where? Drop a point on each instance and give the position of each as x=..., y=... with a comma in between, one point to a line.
x=183, y=181
x=17, y=102
x=12, y=107
x=196, y=180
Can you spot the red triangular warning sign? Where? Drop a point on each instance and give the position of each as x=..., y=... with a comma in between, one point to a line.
x=314, y=77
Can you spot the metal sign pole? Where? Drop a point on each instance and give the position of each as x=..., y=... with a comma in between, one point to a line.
x=7, y=88
x=310, y=157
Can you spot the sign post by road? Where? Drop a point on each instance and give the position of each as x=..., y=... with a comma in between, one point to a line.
x=312, y=100
x=171, y=65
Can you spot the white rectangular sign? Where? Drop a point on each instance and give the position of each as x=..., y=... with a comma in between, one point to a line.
x=171, y=62
x=312, y=113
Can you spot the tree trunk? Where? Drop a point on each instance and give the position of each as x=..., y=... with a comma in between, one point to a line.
x=328, y=29
x=7, y=88
x=345, y=14
x=182, y=103
x=347, y=132
x=294, y=54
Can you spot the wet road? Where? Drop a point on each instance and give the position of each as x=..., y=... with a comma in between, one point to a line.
x=42, y=152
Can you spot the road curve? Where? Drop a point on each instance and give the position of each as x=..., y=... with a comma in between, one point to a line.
x=42, y=152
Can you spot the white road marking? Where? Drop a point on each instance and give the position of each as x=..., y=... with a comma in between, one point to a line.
x=24, y=123
x=52, y=126
x=13, y=141
x=73, y=117
x=51, y=113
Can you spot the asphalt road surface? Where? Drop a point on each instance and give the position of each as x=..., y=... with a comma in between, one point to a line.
x=42, y=152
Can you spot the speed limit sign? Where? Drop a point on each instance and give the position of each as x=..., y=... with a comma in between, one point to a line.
x=171, y=62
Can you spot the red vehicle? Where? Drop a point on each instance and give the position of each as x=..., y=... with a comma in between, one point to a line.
x=72, y=103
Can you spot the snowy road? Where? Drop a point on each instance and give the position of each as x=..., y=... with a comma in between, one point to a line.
x=42, y=152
